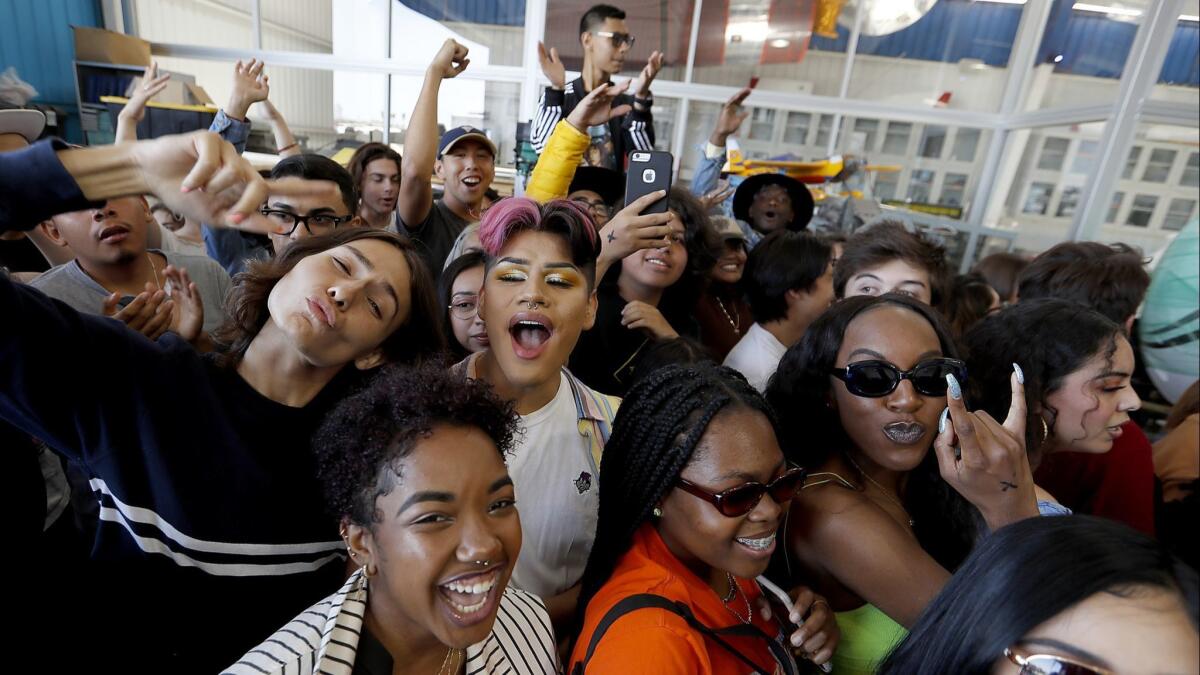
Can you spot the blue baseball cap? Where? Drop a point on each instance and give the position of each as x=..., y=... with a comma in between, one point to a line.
x=464, y=133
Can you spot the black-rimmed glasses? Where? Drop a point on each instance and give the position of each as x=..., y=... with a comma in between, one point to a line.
x=597, y=208
x=316, y=225
x=873, y=379
x=618, y=39
x=741, y=499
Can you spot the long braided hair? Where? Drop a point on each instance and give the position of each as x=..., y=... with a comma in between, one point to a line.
x=654, y=435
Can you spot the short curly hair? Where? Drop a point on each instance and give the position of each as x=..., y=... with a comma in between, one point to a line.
x=887, y=241
x=359, y=446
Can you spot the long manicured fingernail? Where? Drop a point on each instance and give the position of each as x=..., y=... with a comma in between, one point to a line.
x=1020, y=374
x=943, y=420
x=955, y=390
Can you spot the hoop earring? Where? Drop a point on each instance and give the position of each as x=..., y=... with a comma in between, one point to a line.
x=1045, y=429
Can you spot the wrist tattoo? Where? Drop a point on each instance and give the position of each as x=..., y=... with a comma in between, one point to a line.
x=1005, y=486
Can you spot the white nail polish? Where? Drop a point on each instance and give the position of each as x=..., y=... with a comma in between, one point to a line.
x=943, y=420
x=1020, y=374
x=954, y=389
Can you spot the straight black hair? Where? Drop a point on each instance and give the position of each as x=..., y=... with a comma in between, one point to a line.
x=318, y=167
x=456, y=267
x=597, y=15
x=1024, y=575
x=783, y=261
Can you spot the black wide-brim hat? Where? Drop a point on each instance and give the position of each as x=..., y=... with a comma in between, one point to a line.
x=609, y=184
x=802, y=199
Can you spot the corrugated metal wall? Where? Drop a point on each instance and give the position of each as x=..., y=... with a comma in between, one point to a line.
x=36, y=39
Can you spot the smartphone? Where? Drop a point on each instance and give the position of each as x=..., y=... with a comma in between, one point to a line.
x=781, y=607
x=648, y=171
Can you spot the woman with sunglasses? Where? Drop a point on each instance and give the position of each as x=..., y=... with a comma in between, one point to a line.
x=874, y=383
x=458, y=289
x=1060, y=596
x=697, y=489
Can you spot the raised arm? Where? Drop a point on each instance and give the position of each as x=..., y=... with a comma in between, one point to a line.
x=285, y=142
x=638, y=126
x=421, y=138
x=712, y=158
x=549, y=110
x=135, y=108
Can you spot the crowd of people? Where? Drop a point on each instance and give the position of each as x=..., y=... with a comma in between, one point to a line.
x=334, y=420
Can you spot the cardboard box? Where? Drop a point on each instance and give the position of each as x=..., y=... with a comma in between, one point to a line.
x=104, y=46
x=178, y=92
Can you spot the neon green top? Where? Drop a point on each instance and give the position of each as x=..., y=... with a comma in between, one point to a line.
x=867, y=636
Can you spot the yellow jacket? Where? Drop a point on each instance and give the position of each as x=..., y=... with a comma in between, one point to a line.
x=556, y=167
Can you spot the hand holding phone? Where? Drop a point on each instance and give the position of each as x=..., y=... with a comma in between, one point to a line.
x=647, y=172
x=790, y=627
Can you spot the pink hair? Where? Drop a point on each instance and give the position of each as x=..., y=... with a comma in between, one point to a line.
x=509, y=216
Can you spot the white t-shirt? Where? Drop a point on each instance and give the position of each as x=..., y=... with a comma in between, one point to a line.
x=557, y=496
x=756, y=356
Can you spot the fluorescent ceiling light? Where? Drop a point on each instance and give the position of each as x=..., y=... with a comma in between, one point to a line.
x=748, y=31
x=1107, y=9
x=780, y=43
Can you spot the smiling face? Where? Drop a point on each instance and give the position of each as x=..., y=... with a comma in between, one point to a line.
x=325, y=200
x=600, y=50
x=739, y=446
x=731, y=263
x=451, y=507
x=380, y=185
x=1139, y=631
x=1093, y=402
x=893, y=431
x=771, y=209
x=659, y=267
x=339, y=305
x=470, y=332
x=114, y=234
x=894, y=276
x=535, y=304
x=467, y=170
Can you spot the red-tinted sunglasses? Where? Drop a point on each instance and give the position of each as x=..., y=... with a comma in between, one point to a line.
x=741, y=499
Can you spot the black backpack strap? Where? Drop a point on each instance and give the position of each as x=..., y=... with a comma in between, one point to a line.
x=650, y=600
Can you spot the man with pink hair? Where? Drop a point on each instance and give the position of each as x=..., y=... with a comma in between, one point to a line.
x=538, y=296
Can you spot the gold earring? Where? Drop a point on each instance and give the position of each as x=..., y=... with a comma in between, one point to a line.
x=1045, y=429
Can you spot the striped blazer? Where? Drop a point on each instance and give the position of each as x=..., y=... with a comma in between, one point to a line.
x=324, y=639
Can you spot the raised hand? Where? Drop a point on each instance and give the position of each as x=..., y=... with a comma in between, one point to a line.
x=596, y=108
x=188, y=318
x=628, y=231
x=644, y=316
x=552, y=66
x=249, y=87
x=152, y=84
x=731, y=117
x=717, y=195
x=649, y=72
x=818, y=635
x=149, y=313
x=450, y=60
x=985, y=461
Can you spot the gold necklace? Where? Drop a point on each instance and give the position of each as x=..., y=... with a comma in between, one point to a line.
x=444, y=670
x=732, y=323
x=886, y=494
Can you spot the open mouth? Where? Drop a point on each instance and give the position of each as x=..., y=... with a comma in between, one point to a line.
x=1115, y=431
x=530, y=333
x=472, y=181
x=471, y=598
x=758, y=546
x=114, y=234
x=658, y=263
x=904, y=433
x=322, y=312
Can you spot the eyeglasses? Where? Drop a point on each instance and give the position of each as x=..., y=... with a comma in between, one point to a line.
x=597, y=208
x=873, y=379
x=618, y=39
x=464, y=308
x=1049, y=664
x=315, y=225
x=741, y=499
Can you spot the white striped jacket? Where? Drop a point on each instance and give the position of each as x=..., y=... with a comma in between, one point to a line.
x=324, y=639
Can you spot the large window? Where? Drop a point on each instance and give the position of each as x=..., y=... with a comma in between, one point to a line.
x=1068, y=202
x=1158, y=167
x=796, y=130
x=1179, y=213
x=933, y=138
x=1135, y=153
x=1038, y=199
x=966, y=141
x=1114, y=207
x=954, y=186
x=920, y=185
x=1141, y=211
x=1054, y=153
x=896, y=140
x=824, y=128
x=762, y=123
x=1191, y=171
x=1085, y=157
x=885, y=185
x=864, y=136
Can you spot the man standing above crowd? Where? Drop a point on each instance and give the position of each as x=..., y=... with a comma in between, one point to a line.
x=606, y=42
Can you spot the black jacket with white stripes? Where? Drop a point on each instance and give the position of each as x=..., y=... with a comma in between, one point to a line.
x=207, y=489
x=632, y=131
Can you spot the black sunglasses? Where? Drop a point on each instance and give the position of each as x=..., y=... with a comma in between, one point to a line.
x=1051, y=664
x=315, y=225
x=741, y=499
x=873, y=379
